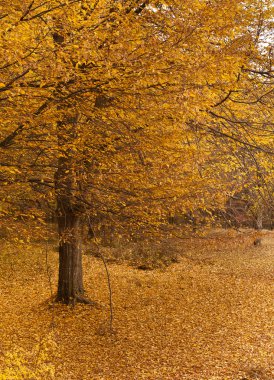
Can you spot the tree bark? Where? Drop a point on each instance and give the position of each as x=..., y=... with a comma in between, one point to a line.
x=70, y=281
x=259, y=214
x=69, y=211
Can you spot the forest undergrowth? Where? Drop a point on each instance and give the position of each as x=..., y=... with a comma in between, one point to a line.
x=207, y=316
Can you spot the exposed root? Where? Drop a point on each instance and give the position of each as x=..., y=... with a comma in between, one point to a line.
x=78, y=298
x=86, y=301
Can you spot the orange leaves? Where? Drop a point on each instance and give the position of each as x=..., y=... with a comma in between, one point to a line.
x=206, y=317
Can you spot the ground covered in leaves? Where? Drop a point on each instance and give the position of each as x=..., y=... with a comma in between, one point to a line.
x=207, y=317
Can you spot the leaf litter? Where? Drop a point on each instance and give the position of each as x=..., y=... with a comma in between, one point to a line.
x=207, y=317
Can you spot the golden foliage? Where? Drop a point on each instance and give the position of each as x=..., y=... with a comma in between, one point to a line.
x=127, y=101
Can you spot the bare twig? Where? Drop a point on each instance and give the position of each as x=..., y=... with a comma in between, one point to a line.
x=108, y=279
x=52, y=325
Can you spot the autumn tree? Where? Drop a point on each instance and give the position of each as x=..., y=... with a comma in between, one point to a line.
x=113, y=109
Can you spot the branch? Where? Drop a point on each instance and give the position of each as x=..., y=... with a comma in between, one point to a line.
x=261, y=72
x=8, y=140
x=8, y=85
x=51, y=9
x=3, y=16
x=259, y=99
x=224, y=99
x=220, y=133
x=27, y=11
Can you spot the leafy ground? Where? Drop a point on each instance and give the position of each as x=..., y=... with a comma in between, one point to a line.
x=208, y=317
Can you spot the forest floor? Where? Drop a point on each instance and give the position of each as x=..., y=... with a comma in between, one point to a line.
x=207, y=317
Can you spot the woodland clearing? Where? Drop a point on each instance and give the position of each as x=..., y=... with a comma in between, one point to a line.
x=207, y=317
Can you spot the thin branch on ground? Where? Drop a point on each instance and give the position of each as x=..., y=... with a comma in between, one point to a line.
x=108, y=279
x=52, y=325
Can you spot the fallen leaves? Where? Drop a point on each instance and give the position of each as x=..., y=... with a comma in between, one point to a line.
x=197, y=320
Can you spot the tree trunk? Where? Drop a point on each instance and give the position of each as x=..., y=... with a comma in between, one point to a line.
x=70, y=282
x=259, y=215
x=69, y=216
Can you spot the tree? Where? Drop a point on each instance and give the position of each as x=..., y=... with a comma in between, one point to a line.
x=112, y=108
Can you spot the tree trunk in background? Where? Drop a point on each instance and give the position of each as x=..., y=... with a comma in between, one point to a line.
x=259, y=215
x=259, y=220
